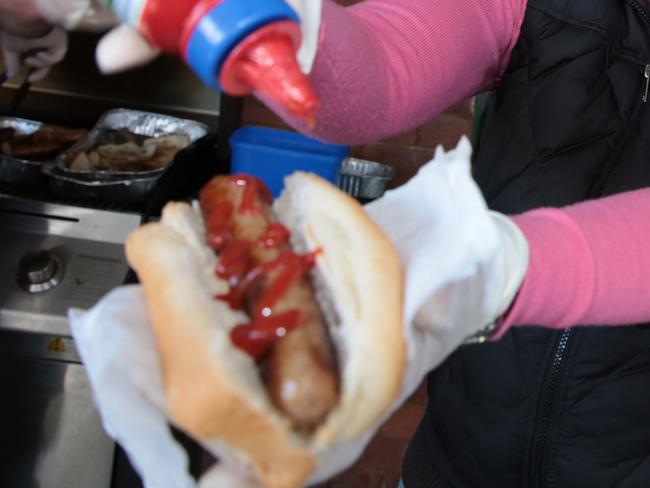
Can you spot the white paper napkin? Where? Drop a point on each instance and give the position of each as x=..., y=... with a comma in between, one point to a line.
x=443, y=233
x=117, y=348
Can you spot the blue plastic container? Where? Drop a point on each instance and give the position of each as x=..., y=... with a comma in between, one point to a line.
x=272, y=154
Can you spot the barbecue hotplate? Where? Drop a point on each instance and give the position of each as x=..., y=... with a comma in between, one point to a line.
x=61, y=252
x=56, y=257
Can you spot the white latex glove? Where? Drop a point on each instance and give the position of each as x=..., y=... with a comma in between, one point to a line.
x=39, y=53
x=119, y=50
x=440, y=224
x=463, y=267
x=123, y=48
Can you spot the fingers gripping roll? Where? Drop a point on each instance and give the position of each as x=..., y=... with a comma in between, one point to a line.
x=278, y=326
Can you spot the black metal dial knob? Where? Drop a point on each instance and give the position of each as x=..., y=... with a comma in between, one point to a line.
x=39, y=271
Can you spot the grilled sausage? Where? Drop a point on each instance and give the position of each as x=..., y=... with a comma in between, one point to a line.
x=300, y=369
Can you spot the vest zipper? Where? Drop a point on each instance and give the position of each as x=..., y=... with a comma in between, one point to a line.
x=562, y=340
x=547, y=397
x=641, y=10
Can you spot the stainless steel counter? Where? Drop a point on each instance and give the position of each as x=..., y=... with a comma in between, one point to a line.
x=52, y=435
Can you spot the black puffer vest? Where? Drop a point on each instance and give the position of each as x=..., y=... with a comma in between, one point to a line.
x=543, y=408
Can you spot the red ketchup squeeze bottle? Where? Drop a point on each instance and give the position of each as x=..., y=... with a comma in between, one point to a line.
x=235, y=46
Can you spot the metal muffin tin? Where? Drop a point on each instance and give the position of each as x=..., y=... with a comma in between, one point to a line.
x=142, y=123
x=364, y=179
x=20, y=171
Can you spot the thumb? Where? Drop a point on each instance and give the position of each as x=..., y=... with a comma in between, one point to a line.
x=122, y=49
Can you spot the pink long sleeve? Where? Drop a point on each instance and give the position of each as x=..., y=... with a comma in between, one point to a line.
x=386, y=66
x=589, y=264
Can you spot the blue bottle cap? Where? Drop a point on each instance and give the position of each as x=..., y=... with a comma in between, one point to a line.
x=223, y=27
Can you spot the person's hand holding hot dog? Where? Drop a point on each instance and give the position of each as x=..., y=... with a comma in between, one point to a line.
x=284, y=334
x=464, y=264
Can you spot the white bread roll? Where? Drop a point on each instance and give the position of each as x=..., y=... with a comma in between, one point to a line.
x=214, y=390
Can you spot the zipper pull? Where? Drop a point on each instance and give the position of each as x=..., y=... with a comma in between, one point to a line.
x=646, y=75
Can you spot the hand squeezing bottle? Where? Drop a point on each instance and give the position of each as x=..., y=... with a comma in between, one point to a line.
x=236, y=46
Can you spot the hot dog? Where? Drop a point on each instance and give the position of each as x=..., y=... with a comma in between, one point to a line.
x=278, y=324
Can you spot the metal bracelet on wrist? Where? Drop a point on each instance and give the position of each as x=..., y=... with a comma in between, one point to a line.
x=483, y=335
